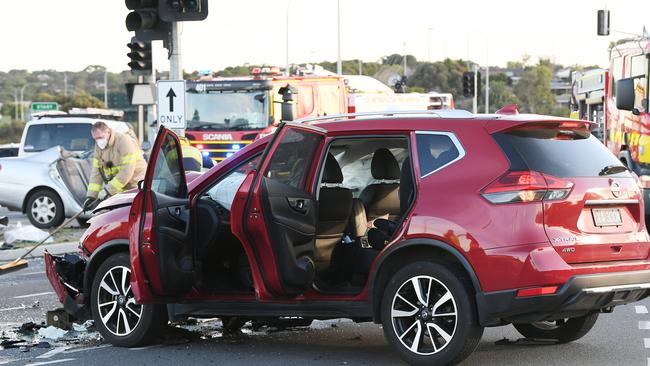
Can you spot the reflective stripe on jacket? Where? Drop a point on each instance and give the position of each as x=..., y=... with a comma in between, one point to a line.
x=120, y=163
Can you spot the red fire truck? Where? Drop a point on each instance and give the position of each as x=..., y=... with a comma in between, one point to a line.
x=225, y=114
x=627, y=119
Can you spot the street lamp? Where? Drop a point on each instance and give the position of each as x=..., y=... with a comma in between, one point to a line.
x=22, y=93
x=339, y=66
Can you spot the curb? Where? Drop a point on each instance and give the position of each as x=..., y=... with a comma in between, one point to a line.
x=58, y=248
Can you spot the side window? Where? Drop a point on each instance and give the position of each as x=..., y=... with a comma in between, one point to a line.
x=436, y=150
x=329, y=99
x=292, y=157
x=617, y=72
x=167, y=178
x=224, y=191
x=639, y=69
x=305, y=100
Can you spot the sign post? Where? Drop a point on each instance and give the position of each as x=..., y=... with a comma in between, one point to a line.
x=43, y=107
x=171, y=104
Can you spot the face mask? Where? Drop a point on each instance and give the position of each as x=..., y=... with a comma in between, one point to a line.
x=102, y=143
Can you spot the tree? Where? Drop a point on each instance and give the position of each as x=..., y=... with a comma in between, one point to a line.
x=501, y=95
x=534, y=89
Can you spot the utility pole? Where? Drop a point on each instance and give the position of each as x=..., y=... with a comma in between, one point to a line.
x=105, y=88
x=487, y=89
x=65, y=84
x=15, y=104
x=140, y=113
x=475, y=101
x=286, y=70
x=360, y=67
x=339, y=66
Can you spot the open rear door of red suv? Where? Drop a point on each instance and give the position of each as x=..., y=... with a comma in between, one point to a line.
x=593, y=206
x=161, y=257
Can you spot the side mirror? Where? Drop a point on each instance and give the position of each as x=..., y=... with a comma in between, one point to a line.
x=287, y=93
x=603, y=22
x=141, y=185
x=625, y=94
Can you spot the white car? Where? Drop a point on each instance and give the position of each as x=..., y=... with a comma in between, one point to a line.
x=49, y=178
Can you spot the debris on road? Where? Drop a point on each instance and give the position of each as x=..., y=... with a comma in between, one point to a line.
x=59, y=318
x=29, y=328
x=27, y=233
x=52, y=333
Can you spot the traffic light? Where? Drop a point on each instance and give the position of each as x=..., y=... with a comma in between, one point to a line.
x=140, y=55
x=468, y=84
x=183, y=10
x=145, y=21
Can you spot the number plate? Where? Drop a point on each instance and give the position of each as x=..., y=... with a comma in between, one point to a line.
x=607, y=216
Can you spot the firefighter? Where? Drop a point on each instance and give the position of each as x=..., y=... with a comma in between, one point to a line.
x=118, y=164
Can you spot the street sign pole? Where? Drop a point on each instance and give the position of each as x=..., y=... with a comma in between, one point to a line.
x=175, y=66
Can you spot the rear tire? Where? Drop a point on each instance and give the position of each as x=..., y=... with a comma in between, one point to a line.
x=44, y=209
x=121, y=321
x=563, y=331
x=435, y=323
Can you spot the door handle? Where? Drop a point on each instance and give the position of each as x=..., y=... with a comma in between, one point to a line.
x=298, y=204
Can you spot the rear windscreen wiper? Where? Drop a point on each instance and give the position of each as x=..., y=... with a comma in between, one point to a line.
x=612, y=169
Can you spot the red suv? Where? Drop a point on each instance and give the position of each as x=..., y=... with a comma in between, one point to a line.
x=433, y=225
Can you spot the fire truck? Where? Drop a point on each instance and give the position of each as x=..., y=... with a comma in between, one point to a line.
x=589, y=88
x=627, y=119
x=225, y=114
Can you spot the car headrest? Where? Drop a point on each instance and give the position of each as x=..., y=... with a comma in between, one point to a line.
x=332, y=173
x=384, y=165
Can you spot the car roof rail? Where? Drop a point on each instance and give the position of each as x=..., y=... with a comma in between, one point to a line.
x=440, y=113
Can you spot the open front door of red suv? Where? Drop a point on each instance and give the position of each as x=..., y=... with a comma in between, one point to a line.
x=161, y=257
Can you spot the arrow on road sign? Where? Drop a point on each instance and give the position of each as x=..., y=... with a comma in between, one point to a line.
x=171, y=95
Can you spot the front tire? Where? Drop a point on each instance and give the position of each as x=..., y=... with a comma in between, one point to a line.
x=44, y=209
x=429, y=315
x=118, y=318
x=564, y=330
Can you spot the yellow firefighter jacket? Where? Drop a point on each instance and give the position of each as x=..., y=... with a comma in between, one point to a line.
x=121, y=165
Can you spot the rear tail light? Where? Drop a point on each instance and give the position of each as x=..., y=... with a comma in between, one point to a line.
x=526, y=186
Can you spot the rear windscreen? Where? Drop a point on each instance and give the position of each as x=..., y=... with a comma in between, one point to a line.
x=558, y=152
x=72, y=136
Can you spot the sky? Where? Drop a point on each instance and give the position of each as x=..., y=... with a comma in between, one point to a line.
x=68, y=35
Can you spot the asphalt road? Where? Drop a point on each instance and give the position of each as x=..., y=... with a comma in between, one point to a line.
x=25, y=295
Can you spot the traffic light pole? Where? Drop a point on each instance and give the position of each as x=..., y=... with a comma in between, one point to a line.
x=475, y=101
x=175, y=67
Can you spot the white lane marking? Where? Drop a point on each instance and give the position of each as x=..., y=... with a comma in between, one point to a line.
x=640, y=309
x=646, y=342
x=644, y=324
x=33, y=295
x=29, y=273
x=51, y=362
x=53, y=352
x=146, y=347
x=7, y=361
x=14, y=308
x=648, y=361
x=86, y=349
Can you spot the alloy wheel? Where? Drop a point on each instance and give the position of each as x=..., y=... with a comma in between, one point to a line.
x=424, y=315
x=43, y=209
x=116, y=303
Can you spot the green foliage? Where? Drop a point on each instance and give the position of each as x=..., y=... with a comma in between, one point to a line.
x=534, y=90
x=11, y=131
x=501, y=95
x=442, y=76
x=77, y=100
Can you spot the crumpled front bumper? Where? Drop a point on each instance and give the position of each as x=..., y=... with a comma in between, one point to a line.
x=65, y=274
